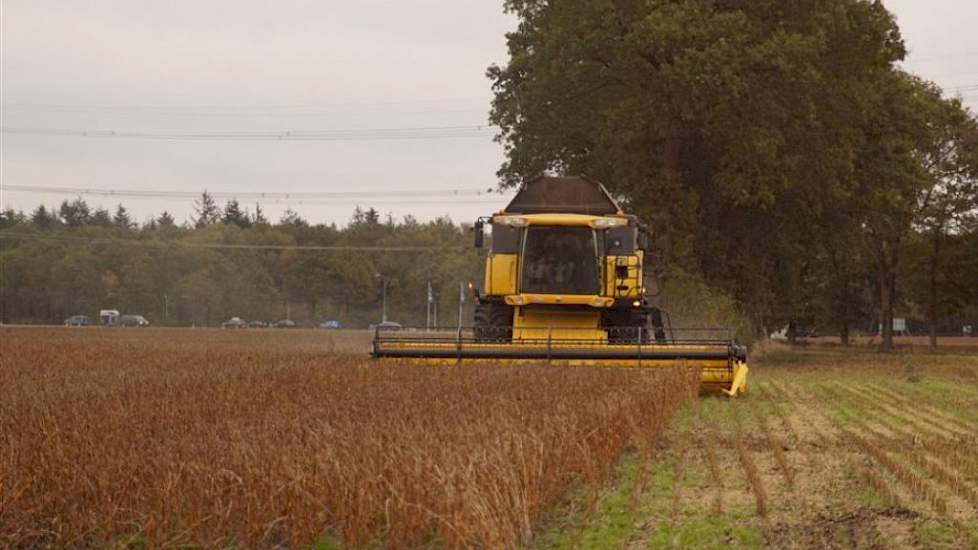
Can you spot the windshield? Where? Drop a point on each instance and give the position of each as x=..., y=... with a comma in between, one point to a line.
x=560, y=260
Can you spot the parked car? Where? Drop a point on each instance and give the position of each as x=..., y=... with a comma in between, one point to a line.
x=801, y=332
x=234, y=322
x=257, y=324
x=386, y=325
x=285, y=323
x=108, y=317
x=331, y=324
x=78, y=321
x=132, y=321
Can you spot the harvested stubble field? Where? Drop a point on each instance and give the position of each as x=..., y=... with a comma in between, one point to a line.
x=831, y=449
x=132, y=437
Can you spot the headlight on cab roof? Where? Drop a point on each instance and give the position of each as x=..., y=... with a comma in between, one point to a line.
x=606, y=223
x=512, y=221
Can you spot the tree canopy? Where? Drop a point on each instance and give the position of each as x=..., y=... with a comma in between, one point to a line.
x=57, y=266
x=762, y=139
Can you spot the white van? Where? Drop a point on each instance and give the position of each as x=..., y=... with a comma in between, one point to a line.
x=108, y=316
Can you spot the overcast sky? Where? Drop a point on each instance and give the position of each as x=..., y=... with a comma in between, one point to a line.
x=344, y=73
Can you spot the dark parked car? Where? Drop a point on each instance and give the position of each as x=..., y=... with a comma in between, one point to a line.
x=78, y=321
x=132, y=321
x=285, y=323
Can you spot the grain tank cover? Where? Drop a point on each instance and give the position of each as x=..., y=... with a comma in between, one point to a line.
x=563, y=195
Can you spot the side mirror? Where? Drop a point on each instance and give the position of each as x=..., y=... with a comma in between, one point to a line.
x=479, y=233
x=643, y=240
x=653, y=285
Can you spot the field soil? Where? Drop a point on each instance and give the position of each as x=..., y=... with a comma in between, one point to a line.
x=830, y=449
x=955, y=344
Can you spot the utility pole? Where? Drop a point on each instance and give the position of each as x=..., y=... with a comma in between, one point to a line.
x=427, y=308
x=461, y=302
x=166, y=307
x=383, y=282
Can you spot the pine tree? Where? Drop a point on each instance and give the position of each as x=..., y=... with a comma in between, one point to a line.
x=358, y=216
x=122, y=218
x=75, y=213
x=207, y=211
x=165, y=219
x=10, y=218
x=259, y=217
x=234, y=216
x=372, y=217
x=41, y=217
x=291, y=217
x=100, y=218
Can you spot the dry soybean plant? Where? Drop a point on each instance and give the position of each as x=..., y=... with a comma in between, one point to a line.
x=257, y=440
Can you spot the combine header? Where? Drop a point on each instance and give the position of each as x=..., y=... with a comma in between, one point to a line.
x=564, y=285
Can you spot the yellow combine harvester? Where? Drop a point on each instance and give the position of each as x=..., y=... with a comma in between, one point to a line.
x=564, y=284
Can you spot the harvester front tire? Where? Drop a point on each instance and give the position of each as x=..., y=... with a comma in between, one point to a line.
x=624, y=326
x=493, y=322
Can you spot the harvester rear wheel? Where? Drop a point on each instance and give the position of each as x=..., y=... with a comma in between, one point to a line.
x=493, y=322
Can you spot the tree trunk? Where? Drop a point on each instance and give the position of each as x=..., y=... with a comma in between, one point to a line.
x=888, y=261
x=932, y=306
x=792, y=332
x=886, y=308
x=844, y=322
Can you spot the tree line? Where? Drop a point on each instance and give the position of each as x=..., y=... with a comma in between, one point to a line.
x=228, y=261
x=775, y=147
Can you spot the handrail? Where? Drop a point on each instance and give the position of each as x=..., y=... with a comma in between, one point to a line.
x=458, y=347
x=550, y=333
x=639, y=340
x=547, y=339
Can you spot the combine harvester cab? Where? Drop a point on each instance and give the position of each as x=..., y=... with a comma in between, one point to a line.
x=564, y=285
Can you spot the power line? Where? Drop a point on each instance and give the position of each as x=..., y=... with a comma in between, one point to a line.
x=253, y=195
x=429, y=132
x=59, y=109
x=364, y=203
x=225, y=108
x=11, y=235
x=955, y=55
x=955, y=74
x=963, y=88
x=380, y=198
